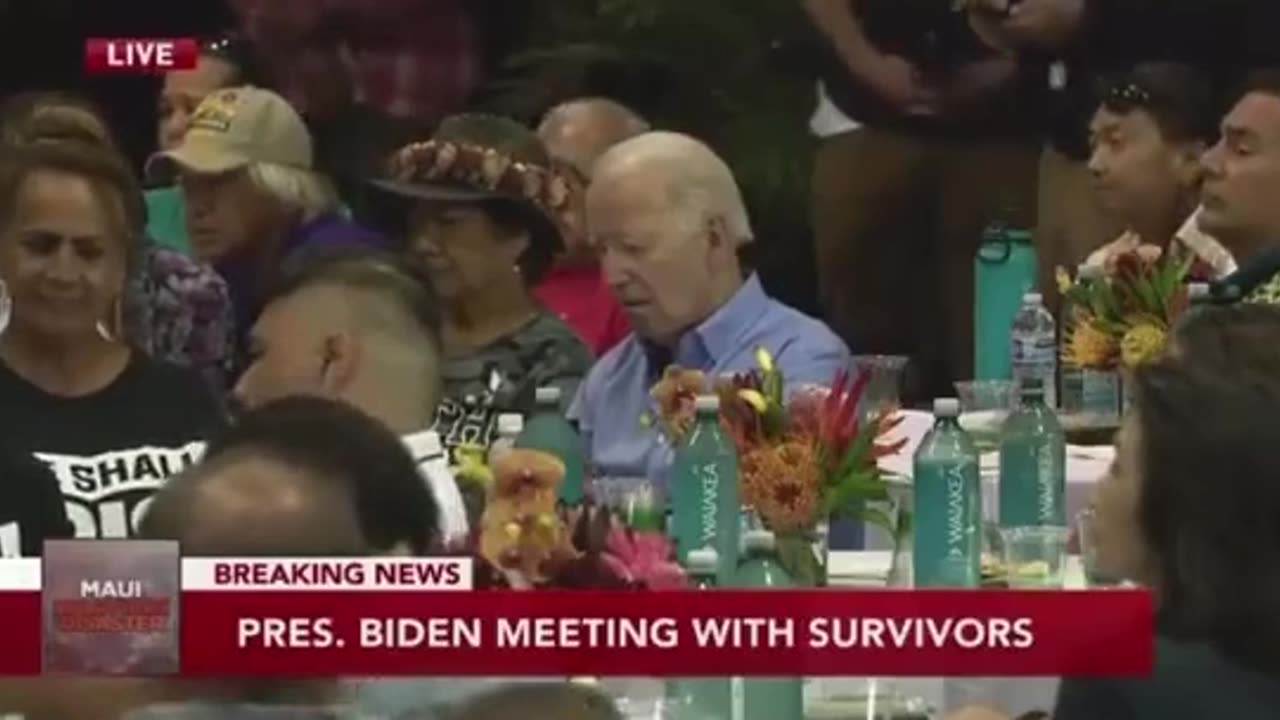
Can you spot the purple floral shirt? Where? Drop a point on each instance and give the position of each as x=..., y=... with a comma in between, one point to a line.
x=179, y=311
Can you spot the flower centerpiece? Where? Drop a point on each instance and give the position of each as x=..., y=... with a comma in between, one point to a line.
x=527, y=540
x=1123, y=318
x=802, y=458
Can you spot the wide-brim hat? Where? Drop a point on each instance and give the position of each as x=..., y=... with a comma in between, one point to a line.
x=477, y=157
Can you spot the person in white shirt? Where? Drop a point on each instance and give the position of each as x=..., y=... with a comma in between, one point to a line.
x=358, y=326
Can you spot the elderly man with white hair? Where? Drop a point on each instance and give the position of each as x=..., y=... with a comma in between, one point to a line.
x=253, y=198
x=668, y=220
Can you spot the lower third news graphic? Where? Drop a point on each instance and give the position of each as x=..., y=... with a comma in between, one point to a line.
x=111, y=607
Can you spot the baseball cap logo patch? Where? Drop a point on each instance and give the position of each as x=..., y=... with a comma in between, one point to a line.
x=215, y=113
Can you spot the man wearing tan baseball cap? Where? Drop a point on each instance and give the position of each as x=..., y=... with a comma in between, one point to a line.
x=253, y=198
x=238, y=126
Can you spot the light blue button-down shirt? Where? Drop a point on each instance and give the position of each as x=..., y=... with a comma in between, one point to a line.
x=616, y=414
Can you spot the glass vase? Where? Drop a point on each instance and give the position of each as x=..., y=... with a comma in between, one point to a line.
x=803, y=554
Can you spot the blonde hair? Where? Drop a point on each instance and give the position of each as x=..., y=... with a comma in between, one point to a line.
x=303, y=191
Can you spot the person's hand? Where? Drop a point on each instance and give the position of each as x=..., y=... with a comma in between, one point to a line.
x=900, y=84
x=1043, y=24
x=975, y=81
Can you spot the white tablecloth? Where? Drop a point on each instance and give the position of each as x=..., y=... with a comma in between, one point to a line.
x=1013, y=696
x=1084, y=466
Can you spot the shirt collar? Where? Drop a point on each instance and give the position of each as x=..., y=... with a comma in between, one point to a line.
x=718, y=335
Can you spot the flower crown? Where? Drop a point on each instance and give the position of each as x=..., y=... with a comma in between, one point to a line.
x=485, y=169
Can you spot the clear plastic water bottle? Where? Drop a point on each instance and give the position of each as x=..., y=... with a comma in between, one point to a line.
x=766, y=698
x=510, y=425
x=696, y=698
x=705, y=509
x=1033, y=458
x=1033, y=345
x=947, y=504
x=550, y=432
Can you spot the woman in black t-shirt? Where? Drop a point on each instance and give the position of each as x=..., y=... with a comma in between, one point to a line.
x=112, y=424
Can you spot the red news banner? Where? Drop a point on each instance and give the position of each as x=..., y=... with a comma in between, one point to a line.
x=418, y=617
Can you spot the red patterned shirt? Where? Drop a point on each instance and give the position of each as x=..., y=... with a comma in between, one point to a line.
x=415, y=59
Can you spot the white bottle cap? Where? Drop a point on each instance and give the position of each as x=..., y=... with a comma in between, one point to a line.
x=758, y=539
x=946, y=407
x=510, y=424
x=1032, y=298
x=707, y=403
x=547, y=395
x=703, y=560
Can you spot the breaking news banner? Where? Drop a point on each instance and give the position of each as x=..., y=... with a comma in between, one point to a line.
x=419, y=616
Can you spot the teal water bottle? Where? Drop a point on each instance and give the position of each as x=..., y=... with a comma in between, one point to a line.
x=1033, y=460
x=947, y=502
x=1004, y=269
x=548, y=430
x=705, y=509
x=701, y=698
x=767, y=698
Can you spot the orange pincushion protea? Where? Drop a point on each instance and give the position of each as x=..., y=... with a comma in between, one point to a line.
x=783, y=482
x=1089, y=346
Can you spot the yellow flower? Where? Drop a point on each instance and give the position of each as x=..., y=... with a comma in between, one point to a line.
x=764, y=360
x=1089, y=346
x=472, y=466
x=1063, y=278
x=755, y=399
x=1142, y=343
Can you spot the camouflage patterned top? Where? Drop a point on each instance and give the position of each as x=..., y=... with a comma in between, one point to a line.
x=502, y=378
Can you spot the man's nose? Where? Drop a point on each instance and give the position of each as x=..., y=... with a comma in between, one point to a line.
x=613, y=266
x=1097, y=164
x=1211, y=160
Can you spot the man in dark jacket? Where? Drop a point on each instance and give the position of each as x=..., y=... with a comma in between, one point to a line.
x=927, y=136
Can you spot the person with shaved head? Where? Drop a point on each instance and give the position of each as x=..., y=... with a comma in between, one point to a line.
x=356, y=325
x=669, y=222
x=576, y=134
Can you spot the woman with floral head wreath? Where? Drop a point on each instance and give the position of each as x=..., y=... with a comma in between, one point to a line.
x=482, y=214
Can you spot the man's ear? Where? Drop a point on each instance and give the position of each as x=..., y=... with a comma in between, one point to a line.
x=343, y=354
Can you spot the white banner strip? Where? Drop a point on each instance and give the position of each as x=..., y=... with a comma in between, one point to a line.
x=326, y=574
x=20, y=574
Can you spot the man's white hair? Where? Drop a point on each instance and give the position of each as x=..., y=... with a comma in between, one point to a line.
x=700, y=184
x=306, y=192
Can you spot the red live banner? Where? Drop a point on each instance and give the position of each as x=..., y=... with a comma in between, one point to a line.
x=814, y=633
